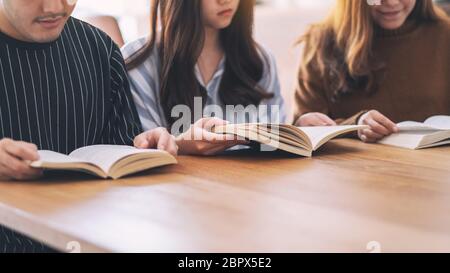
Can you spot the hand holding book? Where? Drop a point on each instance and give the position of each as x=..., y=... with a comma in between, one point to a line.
x=158, y=138
x=15, y=158
x=21, y=160
x=380, y=127
x=200, y=139
x=105, y=161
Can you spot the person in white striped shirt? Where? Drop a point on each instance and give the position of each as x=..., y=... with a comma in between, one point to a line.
x=63, y=85
x=202, y=55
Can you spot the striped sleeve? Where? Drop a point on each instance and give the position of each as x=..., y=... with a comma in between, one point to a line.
x=144, y=84
x=123, y=124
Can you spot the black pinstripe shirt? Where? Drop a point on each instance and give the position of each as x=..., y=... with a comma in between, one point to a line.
x=66, y=94
x=62, y=96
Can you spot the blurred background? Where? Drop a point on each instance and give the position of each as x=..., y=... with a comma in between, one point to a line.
x=132, y=17
x=278, y=25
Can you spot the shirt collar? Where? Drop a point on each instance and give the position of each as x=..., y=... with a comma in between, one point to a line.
x=219, y=72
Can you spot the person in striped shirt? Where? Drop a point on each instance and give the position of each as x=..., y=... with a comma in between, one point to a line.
x=202, y=56
x=63, y=85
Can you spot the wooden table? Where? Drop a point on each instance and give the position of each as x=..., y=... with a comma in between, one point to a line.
x=350, y=196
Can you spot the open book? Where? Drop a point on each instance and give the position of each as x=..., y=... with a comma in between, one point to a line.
x=296, y=140
x=434, y=132
x=105, y=161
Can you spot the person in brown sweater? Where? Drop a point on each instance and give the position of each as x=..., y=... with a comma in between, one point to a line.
x=375, y=65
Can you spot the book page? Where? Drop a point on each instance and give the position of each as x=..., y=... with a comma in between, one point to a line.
x=440, y=122
x=437, y=144
x=54, y=157
x=413, y=126
x=105, y=156
x=408, y=140
x=320, y=134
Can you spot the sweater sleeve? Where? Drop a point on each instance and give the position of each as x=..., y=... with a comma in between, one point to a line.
x=353, y=120
x=311, y=95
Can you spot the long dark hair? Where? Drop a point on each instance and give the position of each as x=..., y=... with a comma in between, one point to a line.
x=180, y=44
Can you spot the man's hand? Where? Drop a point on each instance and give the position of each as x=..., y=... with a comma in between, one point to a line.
x=158, y=138
x=15, y=159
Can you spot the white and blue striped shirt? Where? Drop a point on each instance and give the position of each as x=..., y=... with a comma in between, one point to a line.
x=145, y=88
